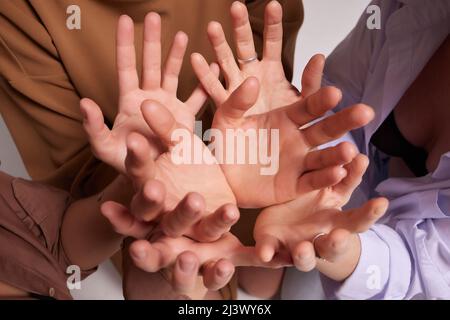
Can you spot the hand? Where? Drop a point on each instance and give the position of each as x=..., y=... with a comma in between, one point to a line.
x=168, y=193
x=178, y=258
x=293, y=226
x=176, y=276
x=109, y=145
x=300, y=167
x=276, y=90
x=257, y=98
x=181, y=281
x=204, y=177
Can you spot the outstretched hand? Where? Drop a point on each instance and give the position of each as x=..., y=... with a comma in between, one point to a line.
x=259, y=101
x=314, y=225
x=109, y=145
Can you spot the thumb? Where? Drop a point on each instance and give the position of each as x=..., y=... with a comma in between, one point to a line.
x=94, y=126
x=242, y=99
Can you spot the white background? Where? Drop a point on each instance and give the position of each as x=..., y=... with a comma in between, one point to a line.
x=326, y=23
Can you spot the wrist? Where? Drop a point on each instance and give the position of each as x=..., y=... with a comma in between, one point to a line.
x=120, y=190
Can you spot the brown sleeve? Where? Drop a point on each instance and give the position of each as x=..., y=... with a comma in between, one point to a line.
x=38, y=101
x=31, y=216
x=292, y=20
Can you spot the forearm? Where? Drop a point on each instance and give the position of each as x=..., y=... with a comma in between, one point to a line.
x=260, y=282
x=86, y=235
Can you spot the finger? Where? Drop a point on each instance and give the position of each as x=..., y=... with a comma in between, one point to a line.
x=126, y=56
x=160, y=120
x=224, y=54
x=174, y=63
x=314, y=106
x=148, y=203
x=266, y=247
x=319, y=179
x=273, y=31
x=355, y=172
x=208, y=79
x=312, y=75
x=93, y=122
x=217, y=275
x=185, y=273
x=304, y=256
x=242, y=99
x=341, y=154
x=212, y=227
x=243, y=33
x=139, y=162
x=151, y=75
x=199, y=95
x=336, y=125
x=331, y=246
x=123, y=222
x=151, y=257
x=361, y=219
x=187, y=213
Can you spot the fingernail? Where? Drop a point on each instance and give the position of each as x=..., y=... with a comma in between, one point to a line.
x=187, y=266
x=228, y=217
x=139, y=254
x=304, y=257
x=223, y=273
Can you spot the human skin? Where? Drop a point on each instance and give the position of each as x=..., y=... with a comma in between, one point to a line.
x=151, y=260
x=272, y=103
x=423, y=127
x=292, y=227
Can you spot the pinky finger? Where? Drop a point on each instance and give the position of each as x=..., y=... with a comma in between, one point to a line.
x=209, y=79
x=200, y=95
x=217, y=275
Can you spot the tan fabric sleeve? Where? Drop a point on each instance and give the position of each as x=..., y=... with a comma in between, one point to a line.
x=37, y=99
x=292, y=20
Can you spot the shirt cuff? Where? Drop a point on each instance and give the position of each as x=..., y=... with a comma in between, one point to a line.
x=370, y=276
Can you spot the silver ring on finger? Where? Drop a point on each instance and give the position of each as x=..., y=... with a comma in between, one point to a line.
x=248, y=60
x=317, y=236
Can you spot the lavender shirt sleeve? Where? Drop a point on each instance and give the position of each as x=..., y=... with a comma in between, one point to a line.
x=407, y=257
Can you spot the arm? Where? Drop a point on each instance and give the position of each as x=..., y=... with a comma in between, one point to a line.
x=410, y=259
x=260, y=282
x=348, y=65
x=86, y=235
x=40, y=106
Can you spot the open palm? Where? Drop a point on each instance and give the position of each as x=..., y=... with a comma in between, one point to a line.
x=179, y=176
x=259, y=97
x=295, y=165
x=289, y=226
x=110, y=145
